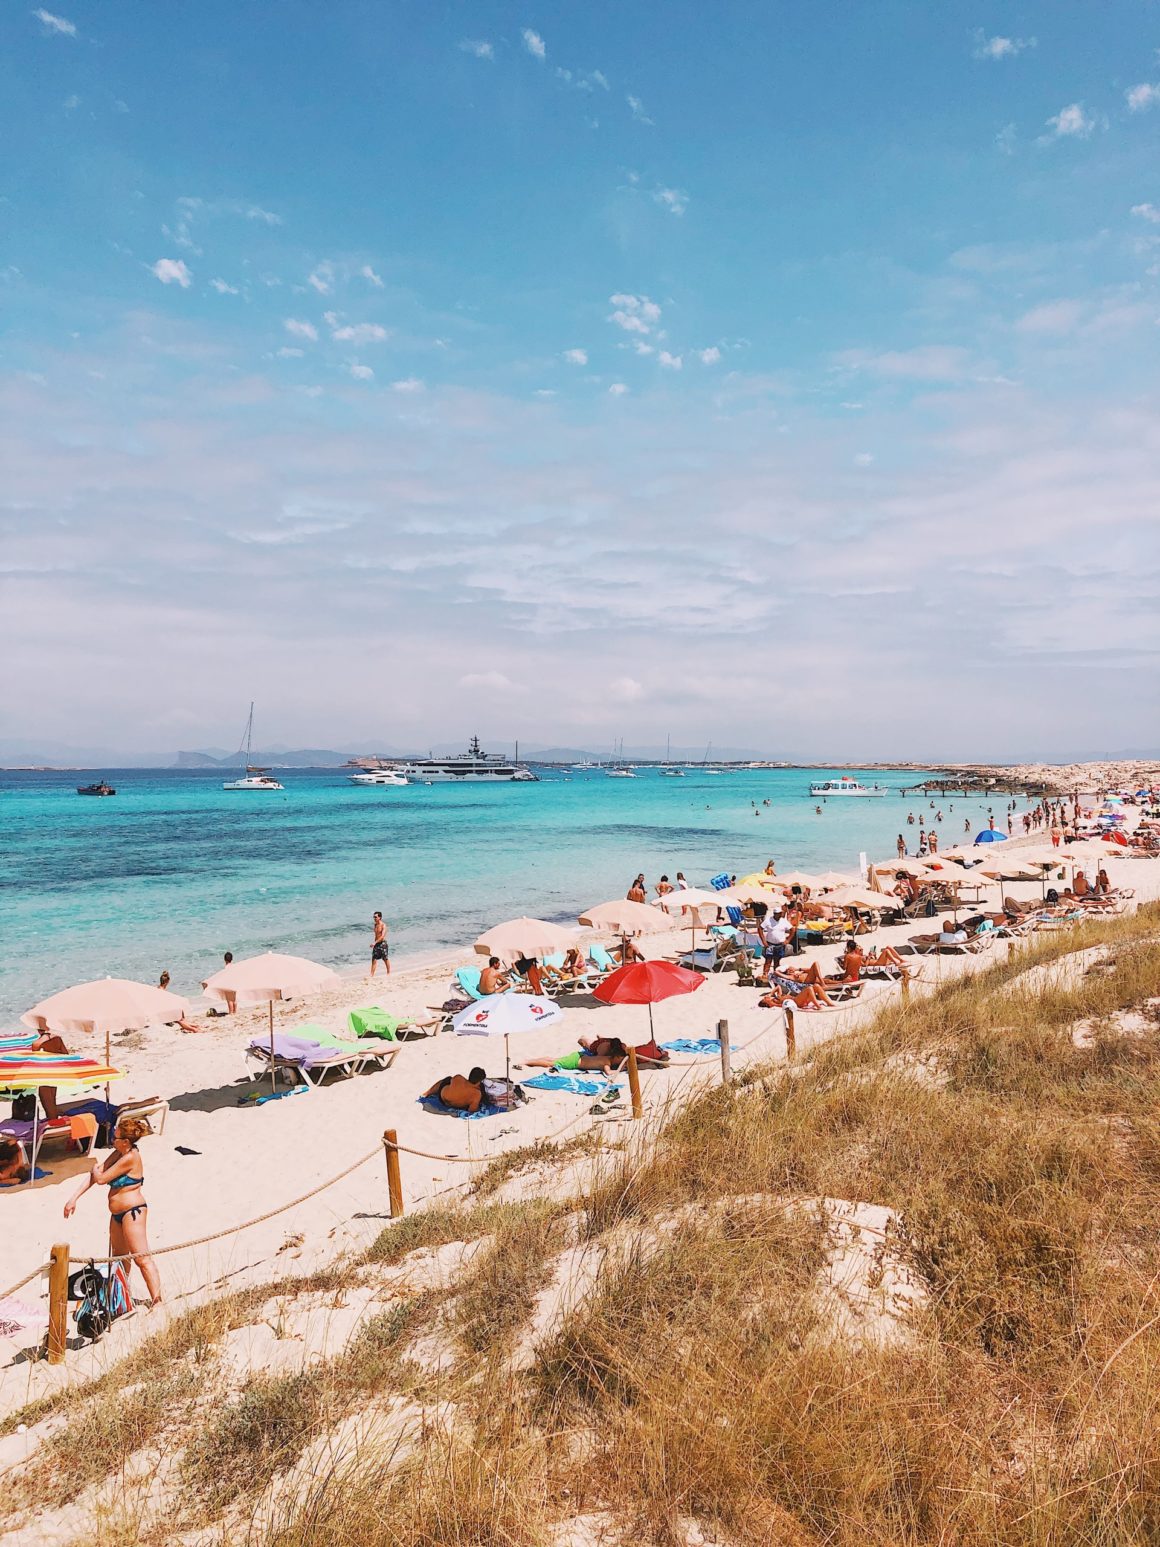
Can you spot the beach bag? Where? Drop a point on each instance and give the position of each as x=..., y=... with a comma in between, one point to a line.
x=103, y=1296
x=1052, y=895
x=503, y=1094
x=652, y=1053
x=24, y=1107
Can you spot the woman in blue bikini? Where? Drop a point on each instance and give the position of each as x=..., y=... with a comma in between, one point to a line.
x=123, y=1174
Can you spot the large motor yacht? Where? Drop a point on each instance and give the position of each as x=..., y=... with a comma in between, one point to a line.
x=475, y=766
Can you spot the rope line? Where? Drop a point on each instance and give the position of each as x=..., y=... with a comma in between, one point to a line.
x=27, y=1279
x=218, y=1235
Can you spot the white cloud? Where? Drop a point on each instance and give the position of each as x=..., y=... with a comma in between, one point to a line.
x=641, y=347
x=1140, y=98
x=617, y=389
x=330, y=319
x=322, y=278
x=489, y=681
x=368, y=273
x=360, y=333
x=999, y=47
x=575, y=356
x=853, y=407
x=299, y=329
x=57, y=26
x=928, y=362
x=1051, y=317
x=625, y=690
x=636, y=107
x=863, y=459
x=70, y=103
x=408, y=384
x=480, y=47
x=583, y=80
x=222, y=288
x=172, y=271
x=288, y=352
x=1147, y=212
x=534, y=43
x=265, y=217
x=709, y=356
x=362, y=373
x=675, y=200
x=634, y=313
x=1006, y=139
x=669, y=361
x=1071, y=122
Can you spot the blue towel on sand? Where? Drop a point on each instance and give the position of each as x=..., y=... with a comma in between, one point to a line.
x=433, y=1105
x=40, y=1172
x=578, y=1084
x=696, y=1045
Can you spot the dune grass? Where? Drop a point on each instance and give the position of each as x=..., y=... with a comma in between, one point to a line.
x=701, y=1378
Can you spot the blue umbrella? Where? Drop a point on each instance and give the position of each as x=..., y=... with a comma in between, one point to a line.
x=989, y=835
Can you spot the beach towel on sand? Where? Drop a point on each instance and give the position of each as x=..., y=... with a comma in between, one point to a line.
x=696, y=1045
x=433, y=1105
x=578, y=1084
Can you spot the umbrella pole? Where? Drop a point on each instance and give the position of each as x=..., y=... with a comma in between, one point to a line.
x=35, y=1143
x=507, y=1059
x=108, y=1063
x=273, y=1071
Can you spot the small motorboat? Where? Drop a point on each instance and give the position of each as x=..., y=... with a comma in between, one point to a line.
x=100, y=788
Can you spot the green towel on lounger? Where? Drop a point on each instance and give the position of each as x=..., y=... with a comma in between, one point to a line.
x=373, y=1022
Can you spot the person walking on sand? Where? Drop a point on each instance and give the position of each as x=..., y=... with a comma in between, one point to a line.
x=380, y=949
x=124, y=1175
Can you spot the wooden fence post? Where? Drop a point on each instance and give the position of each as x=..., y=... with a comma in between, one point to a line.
x=394, y=1175
x=790, y=1033
x=905, y=986
x=726, y=1061
x=634, y=1083
x=57, y=1303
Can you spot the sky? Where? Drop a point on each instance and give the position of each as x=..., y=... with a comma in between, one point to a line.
x=780, y=375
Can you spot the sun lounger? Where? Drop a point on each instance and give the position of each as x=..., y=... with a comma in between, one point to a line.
x=467, y=979
x=311, y=1052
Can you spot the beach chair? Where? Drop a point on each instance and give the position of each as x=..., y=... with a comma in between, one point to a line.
x=601, y=959
x=467, y=979
x=372, y=1021
x=555, y=979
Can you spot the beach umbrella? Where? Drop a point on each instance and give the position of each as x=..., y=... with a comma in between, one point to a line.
x=912, y=867
x=262, y=979
x=861, y=897
x=744, y=892
x=759, y=878
x=647, y=983
x=624, y=918
x=28, y=1071
x=989, y=835
x=506, y=1015
x=829, y=879
x=795, y=878
x=524, y=937
x=690, y=901
x=106, y=1005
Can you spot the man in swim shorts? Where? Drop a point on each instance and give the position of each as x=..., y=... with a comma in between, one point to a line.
x=380, y=948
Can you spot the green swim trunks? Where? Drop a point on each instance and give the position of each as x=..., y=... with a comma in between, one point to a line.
x=569, y=1061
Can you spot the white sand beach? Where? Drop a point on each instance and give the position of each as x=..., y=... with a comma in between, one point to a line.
x=248, y=1160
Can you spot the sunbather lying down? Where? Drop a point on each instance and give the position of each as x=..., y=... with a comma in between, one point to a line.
x=785, y=990
x=603, y=1053
x=460, y=1093
x=812, y=976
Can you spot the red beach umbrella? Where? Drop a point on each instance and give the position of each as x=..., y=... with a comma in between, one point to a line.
x=647, y=983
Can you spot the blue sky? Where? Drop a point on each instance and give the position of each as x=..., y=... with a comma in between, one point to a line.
x=780, y=374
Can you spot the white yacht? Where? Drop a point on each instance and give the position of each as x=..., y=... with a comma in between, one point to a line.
x=844, y=786
x=393, y=777
x=255, y=778
x=619, y=773
x=475, y=766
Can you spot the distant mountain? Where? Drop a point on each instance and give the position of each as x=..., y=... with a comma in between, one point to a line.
x=302, y=757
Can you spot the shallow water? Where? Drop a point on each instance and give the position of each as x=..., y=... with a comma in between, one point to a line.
x=172, y=871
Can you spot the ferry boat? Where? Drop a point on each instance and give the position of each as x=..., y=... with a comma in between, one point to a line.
x=255, y=778
x=475, y=766
x=844, y=786
x=389, y=776
x=100, y=788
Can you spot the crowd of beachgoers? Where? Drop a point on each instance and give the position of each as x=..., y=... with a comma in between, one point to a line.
x=647, y=979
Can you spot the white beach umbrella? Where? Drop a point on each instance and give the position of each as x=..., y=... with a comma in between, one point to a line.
x=690, y=901
x=861, y=897
x=262, y=979
x=622, y=917
x=106, y=1005
x=524, y=937
x=506, y=1015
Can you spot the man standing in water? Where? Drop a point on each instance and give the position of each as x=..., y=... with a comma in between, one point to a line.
x=380, y=950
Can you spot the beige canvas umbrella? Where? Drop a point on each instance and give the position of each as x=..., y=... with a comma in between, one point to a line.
x=795, y=878
x=835, y=878
x=690, y=901
x=745, y=892
x=913, y=867
x=624, y=918
x=106, y=1005
x=524, y=937
x=263, y=979
x=861, y=897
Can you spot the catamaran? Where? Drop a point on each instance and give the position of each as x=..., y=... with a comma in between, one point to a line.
x=255, y=778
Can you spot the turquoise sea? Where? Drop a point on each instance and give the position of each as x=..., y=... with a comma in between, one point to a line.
x=173, y=871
